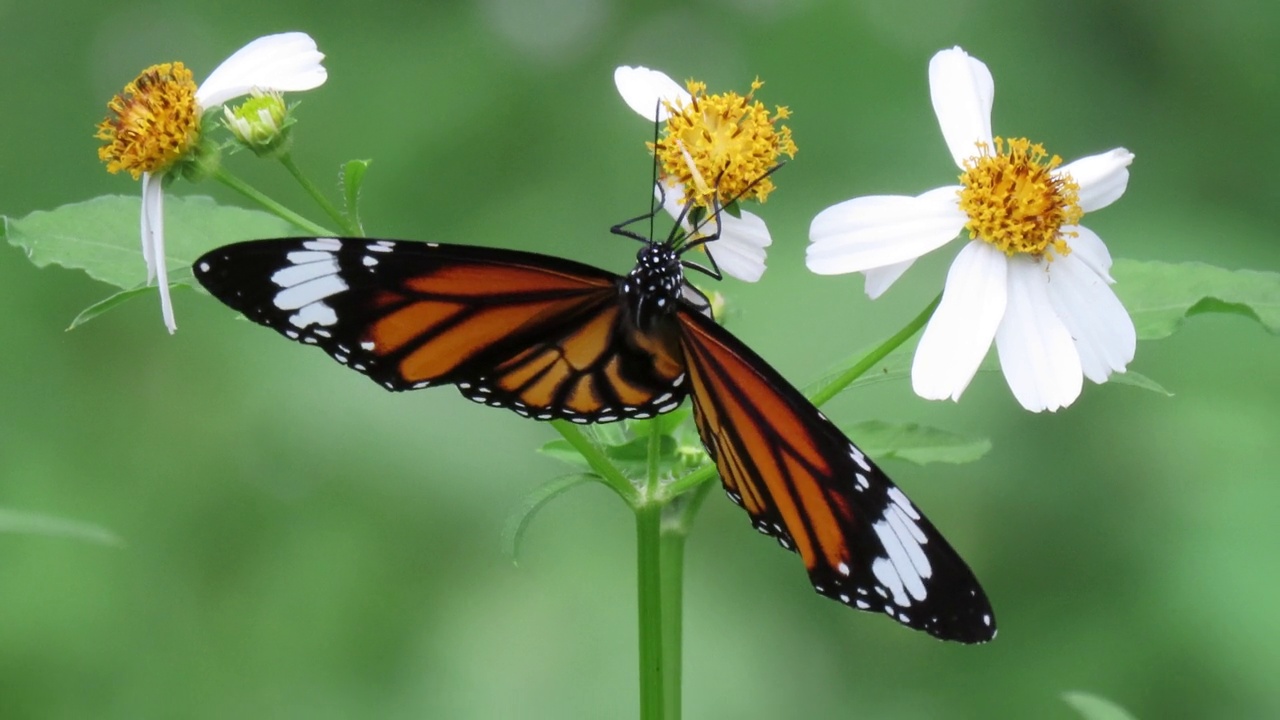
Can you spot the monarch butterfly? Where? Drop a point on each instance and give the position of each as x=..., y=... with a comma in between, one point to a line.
x=552, y=338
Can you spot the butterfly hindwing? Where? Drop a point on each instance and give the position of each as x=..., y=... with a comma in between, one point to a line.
x=801, y=480
x=543, y=336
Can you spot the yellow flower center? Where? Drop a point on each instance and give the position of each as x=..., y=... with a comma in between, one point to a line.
x=1014, y=200
x=721, y=147
x=155, y=121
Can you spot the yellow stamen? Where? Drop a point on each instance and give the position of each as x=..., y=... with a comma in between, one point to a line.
x=1015, y=202
x=155, y=121
x=720, y=147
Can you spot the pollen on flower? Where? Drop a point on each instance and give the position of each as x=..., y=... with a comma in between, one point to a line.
x=154, y=121
x=721, y=147
x=1015, y=201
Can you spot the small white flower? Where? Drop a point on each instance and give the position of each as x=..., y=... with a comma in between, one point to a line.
x=1031, y=278
x=157, y=119
x=739, y=250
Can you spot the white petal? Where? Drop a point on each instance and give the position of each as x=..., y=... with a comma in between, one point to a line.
x=1102, y=178
x=740, y=249
x=153, y=243
x=961, y=329
x=963, y=92
x=287, y=62
x=879, y=230
x=644, y=90
x=1037, y=355
x=672, y=197
x=150, y=189
x=1087, y=247
x=879, y=279
x=1104, y=334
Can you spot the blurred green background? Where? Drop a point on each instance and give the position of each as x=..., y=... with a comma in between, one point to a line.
x=301, y=544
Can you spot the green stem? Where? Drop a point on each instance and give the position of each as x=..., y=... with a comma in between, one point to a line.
x=329, y=208
x=596, y=459
x=247, y=190
x=858, y=369
x=655, y=447
x=829, y=389
x=650, y=601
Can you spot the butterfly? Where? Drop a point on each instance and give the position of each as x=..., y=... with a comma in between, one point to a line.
x=551, y=338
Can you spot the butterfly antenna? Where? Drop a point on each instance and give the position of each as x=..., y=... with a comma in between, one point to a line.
x=659, y=197
x=718, y=207
x=657, y=193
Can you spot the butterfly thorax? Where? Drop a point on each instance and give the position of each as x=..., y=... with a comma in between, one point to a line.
x=651, y=291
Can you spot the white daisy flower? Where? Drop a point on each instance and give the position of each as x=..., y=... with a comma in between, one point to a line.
x=1030, y=277
x=723, y=147
x=155, y=123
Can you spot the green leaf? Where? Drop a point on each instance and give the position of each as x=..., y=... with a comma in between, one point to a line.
x=667, y=422
x=26, y=523
x=519, y=519
x=101, y=236
x=108, y=303
x=353, y=173
x=1092, y=707
x=637, y=450
x=1160, y=296
x=916, y=443
x=897, y=366
x=631, y=455
x=565, y=452
x=1138, y=380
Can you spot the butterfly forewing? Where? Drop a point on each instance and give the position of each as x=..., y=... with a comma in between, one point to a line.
x=542, y=336
x=802, y=481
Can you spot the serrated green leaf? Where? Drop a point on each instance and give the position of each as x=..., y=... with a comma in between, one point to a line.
x=27, y=523
x=1161, y=296
x=916, y=443
x=1092, y=707
x=519, y=519
x=353, y=173
x=101, y=236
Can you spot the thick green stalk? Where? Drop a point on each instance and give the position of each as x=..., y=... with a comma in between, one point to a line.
x=672, y=550
x=275, y=208
x=650, y=600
